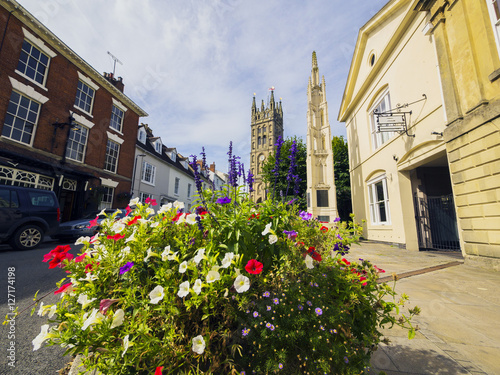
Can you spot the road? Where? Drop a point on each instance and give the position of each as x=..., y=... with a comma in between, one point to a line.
x=30, y=275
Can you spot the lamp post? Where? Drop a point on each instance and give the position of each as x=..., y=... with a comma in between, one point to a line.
x=133, y=174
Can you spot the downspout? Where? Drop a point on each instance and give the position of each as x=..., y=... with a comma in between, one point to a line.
x=6, y=27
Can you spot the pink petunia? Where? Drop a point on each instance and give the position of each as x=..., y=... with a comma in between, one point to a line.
x=63, y=288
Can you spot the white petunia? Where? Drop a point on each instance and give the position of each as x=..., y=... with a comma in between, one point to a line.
x=155, y=224
x=126, y=250
x=183, y=267
x=118, y=318
x=150, y=211
x=273, y=239
x=242, y=284
x=198, y=344
x=183, y=289
x=267, y=229
x=237, y=271
x=226, y=262
x=178, y=205
x=131, y=237
x=309, y=262
x=118, y=227
x=197, y=286
x=134, y=202
x=82, y=240
x=212, y=276
x=181, y=219
x=95, y=318
x=42, y=336
x=199, y=255
x=191, y=219
x=126, y=344
x=52, y=311
x=156, y=294
x=149, y=254
x=165, y=208
x=84, y=300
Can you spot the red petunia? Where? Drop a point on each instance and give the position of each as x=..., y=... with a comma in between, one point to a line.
x=378, y=269
x=134, y=220
x=150, y=201
x=254, y=267
x=361, y=279
x=312, y=252
x=62, y=288
x=323, y=229
x=115, y=237
x=177, y=217
x=345, y=261
x=129, y=210
x=93, y=223
x=80, y=258
x=159, y=370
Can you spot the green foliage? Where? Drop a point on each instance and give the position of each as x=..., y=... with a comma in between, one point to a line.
x=176, y=290
x=283, y=190
x=342, y=176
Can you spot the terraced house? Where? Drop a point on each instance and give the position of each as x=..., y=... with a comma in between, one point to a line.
x=63, y=126
x=421, y=108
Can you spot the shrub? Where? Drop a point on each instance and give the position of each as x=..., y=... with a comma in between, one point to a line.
x=229, y=288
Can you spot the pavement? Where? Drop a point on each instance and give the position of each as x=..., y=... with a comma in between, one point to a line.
x=459, y=326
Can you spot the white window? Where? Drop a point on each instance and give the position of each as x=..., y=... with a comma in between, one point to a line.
x=145, y=196
x=33, y=63
x=148, y=173
x=158, y=146
x=107, y=197
x=84, y=97
x=112, y=152
x=494, y=9
x=189, y=190
x=142, y=135
x=382, y=104
x=116, y=118
x=379, y=201
x=21, y=118
x=176, y=187
x=77, y=142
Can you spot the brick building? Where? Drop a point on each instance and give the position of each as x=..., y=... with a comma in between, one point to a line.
x=63, y=125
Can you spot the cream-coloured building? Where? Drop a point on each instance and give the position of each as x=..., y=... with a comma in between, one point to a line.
x=433, y=65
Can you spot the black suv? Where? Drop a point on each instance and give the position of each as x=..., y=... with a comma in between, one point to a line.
x=27, y=215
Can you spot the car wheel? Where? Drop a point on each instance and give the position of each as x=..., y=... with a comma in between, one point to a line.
x=27, y=237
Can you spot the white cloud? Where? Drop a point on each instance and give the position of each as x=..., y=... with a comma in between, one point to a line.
x=194, y=65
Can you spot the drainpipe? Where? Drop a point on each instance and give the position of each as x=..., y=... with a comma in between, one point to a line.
x=6, y=27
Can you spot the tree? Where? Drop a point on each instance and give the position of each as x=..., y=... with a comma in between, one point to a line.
x=278, y=185
x=342, y=177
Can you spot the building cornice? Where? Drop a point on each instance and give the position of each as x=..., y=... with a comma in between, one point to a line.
x=51, y=39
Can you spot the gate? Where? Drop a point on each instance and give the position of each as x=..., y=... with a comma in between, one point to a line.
x=436, y=223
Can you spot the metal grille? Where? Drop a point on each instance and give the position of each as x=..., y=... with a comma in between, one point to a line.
x=436, y=223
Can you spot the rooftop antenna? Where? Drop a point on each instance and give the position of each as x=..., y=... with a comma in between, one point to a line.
x=115, y=59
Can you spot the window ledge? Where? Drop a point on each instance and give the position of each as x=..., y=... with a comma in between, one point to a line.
x=83, y=111
x=32, y=80
x=494, y=76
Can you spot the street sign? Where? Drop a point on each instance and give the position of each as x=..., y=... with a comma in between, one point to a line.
x=391, y=122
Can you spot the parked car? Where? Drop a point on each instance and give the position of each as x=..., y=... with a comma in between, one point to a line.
x=27, y=215
x=81, y=227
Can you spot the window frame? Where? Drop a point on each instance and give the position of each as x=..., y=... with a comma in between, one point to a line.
x=189, y=191
x=177, y=183
x=151, y=171
x=113, y=124
x=23, y=72
x=107, y=197
x=374, y=202
x=78, y=99
x=143, y=196
x=494, y=11
x=379, y=138
x=25, y=120
x=69, y=147
x=110, y=159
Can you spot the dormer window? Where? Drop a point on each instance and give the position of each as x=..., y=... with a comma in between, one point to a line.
x=185, y=164
x=172, y=155
x=142, y=135
x=158, y=145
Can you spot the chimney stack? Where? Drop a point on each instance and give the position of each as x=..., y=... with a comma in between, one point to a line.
x=117, y=82
x=212, y=167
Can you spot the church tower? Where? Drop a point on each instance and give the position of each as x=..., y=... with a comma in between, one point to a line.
x=266, y=127
x=321, y=193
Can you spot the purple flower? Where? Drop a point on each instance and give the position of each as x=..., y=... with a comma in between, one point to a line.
x=127, y=267
x=322, y=328
x=346, y=360
x=224, y=200
x=318, y=311
x=291, y=234
x=266, y=294
x=309, y=303
x=280, y=366
x=272, y=328
x=337, y=219
x=268, y=308
x=305, y=215
x=255, y=314
x=268, y=325
x=245, y=331
x=301, y=307
x=276, y=301
x=250, y=180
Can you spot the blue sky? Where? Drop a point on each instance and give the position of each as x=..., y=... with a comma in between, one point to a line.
x=194, y=65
